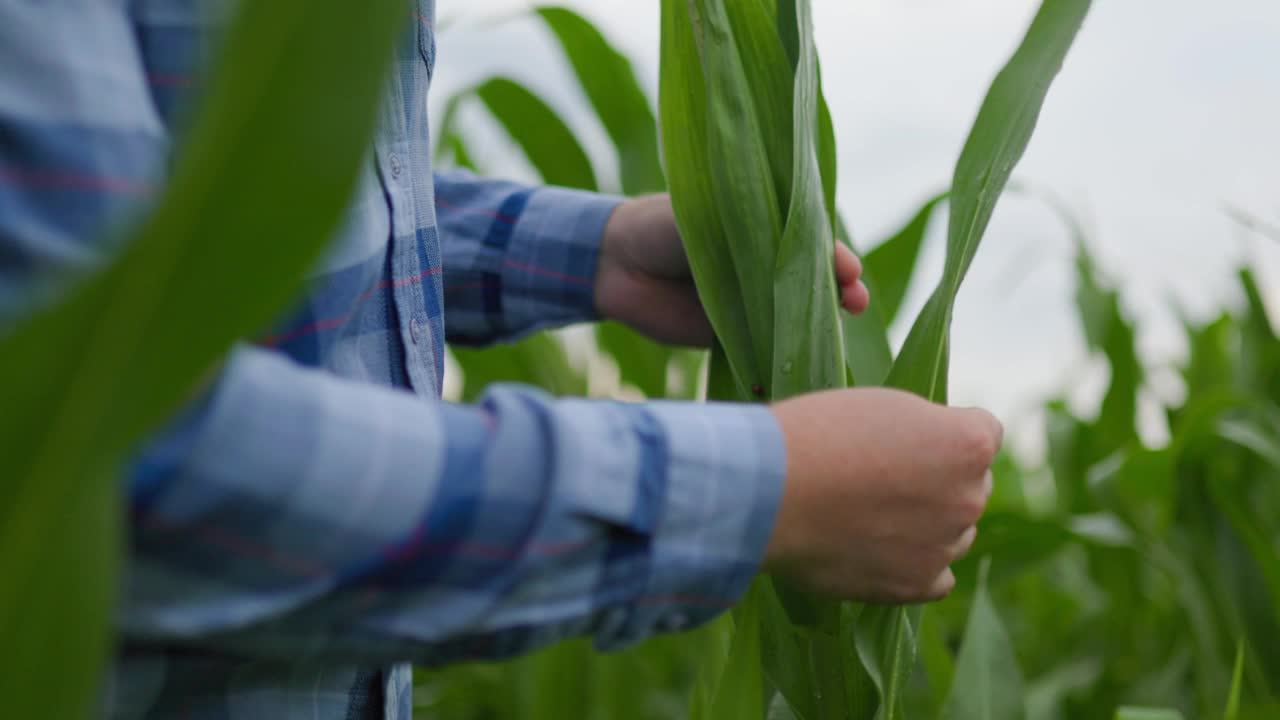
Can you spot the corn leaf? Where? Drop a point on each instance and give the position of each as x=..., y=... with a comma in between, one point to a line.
x=769, y=82
x=539, y=360
x=641, y=362
x=251, y=202
x=866, y=337
x=885, y=639
x=1138, y=713
x=740, y=692
x=887, y=273
x=1009, y=544
x=1232, y=711
x=999, y=137
x=742, y=183
x=685, y=134
x=809, y=353
x=935, y=658
x=610, y=84
x=1108, y=331
x=542, y=135
x=1233, y=500
x=888, y=268
x=987, y=683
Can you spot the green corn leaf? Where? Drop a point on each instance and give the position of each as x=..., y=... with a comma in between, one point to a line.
x=1260, y=354
x=998, y=139
x=769, y=82
x=866, y=346
x=539, y=360
x=641, y=362
x=459, y=153
x=740, y=692
x=887, y=273
x=1138, y=713
x=451, y=147
x=1232, y=711
x=862, y=694
x=935, y=658
x=543, y=137
x=741, y=176
x=201, y=260
x=809, y=353
x=730, y=683
x=866, y=337
x=1107, y=330
x=785, y=652
x=885, y=640
x=827, y=155
x=988, y=682
x=1233, y=498
x=684, y=118
x=554, y=683
x=888, y=268
x=610, y=84
x=1009, y=544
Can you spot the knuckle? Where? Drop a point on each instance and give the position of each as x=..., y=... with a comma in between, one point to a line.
x=981, y=445
x=907, y=593
x=978, y=440
x=942, y=589
x=969, y=509
x=961, y=547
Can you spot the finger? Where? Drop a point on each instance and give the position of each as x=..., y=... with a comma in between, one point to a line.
x=855, y=298
x=988, y=424
x=963, y=544
x=988, y=485
x=942, y=586
x=848, y=266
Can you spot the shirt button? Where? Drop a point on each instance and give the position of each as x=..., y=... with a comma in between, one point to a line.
x=415, y=329
x=396, y=167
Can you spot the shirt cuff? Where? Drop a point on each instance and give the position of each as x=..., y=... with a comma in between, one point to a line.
x=693, y=525
x=549, y=273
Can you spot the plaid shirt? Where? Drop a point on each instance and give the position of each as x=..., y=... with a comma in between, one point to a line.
x=321, y=519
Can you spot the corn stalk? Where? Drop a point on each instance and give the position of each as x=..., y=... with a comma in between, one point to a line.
x=750, y=162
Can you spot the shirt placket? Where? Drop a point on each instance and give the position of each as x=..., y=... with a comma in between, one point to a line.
x=391, y=148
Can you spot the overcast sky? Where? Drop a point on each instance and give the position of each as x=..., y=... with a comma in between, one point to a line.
x=1165, y=113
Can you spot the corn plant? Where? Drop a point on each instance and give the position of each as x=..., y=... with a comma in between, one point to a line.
x=1130, y=590
x=750, y=162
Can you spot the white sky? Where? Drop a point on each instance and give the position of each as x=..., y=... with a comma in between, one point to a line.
x=1165, y=112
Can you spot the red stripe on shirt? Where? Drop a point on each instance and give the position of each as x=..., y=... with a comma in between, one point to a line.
x=70, y=181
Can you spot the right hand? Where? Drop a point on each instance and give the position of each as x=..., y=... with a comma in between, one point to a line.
x=883, y=492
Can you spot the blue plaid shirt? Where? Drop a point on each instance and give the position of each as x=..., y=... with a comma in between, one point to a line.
x=321, y=519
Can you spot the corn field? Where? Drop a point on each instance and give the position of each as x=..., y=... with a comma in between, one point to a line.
x=1112, y=579
x=1134, y=591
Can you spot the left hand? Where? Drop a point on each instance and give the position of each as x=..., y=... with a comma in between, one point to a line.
x=643, y=278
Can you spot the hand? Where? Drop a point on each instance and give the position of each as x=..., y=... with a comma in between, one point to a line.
x=644, y=280
x=883, y=492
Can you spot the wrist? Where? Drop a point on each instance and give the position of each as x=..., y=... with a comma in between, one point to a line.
x=610, y=269
x=782, y=548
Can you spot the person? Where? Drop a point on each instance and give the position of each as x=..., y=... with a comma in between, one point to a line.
x=318, y=518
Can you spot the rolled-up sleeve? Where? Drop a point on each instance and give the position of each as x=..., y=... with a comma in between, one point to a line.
x=516, y=258
x=313, y=516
